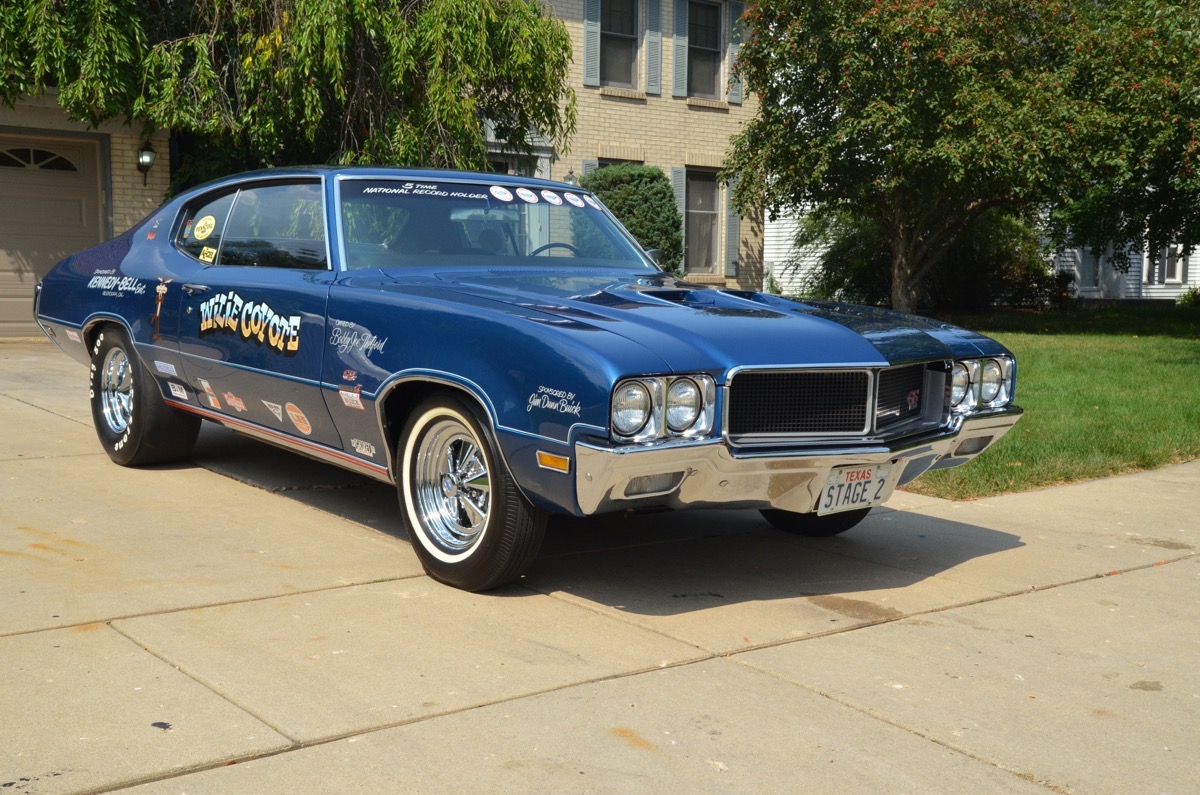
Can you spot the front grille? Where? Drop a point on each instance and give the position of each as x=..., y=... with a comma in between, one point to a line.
x=799, y=402
x=900, y=395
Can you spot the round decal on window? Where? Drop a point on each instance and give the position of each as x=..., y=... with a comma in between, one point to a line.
x=573, y=199
x=527, y=195
x=204, y=227
x=501, y=193
x=551, y=197
x=592, y=202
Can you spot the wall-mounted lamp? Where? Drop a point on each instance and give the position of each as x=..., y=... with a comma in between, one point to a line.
x=571, y=179
x=145, y=160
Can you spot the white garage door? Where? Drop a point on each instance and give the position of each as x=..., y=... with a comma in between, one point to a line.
x=50, y=206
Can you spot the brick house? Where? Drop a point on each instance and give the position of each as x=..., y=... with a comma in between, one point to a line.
x=653, y=87
x=64, y=187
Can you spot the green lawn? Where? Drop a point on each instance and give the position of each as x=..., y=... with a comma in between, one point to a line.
x=1104, y=392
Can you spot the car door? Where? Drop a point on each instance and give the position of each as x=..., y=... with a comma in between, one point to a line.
x=252, y=322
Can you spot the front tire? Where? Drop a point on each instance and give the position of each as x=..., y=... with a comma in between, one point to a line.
x=469, y=524
x=135, y=427
x=810, y=525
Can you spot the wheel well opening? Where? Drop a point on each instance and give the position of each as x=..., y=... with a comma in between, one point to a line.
x=401, y=401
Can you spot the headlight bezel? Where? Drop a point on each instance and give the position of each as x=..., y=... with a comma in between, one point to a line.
x=976, y=399
x=657, y=426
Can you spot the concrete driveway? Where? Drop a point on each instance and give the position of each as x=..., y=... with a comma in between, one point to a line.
x=254, y=622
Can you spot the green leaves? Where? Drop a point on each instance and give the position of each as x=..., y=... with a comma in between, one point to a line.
x=922, y=115
x=266, y=82
x=641, y=197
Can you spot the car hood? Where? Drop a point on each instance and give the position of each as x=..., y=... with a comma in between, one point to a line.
x=697, y=328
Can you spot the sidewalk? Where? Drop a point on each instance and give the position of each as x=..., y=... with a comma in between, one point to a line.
x=255, y=622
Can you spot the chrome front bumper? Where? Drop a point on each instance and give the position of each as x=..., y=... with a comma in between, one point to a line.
x=710, y=474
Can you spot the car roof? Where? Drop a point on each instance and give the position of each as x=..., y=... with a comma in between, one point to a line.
x=386, y=172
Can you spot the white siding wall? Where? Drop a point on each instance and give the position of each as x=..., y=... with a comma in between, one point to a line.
x=790, y=267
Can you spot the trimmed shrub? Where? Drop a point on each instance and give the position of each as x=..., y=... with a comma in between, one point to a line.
x=642, y=199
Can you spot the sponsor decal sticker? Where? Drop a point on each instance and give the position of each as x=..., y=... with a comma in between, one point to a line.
x=421, y=189
x=116, y=286
x=592, y=202
x=361, y=341
x=298, y=419
x=352, y=397
x=551, y=197
x=500, y=193
x=234, y=401
x=555, y=400
x=212, y=396
x=72, y=335
x=166, y=368
x=178, y=391
x=349, y=375
x=527, y=195
x=208, y=254
x=363, y=448
x=573, y=199
x=275, y=409
x=229, y=313
x=153, y=233
x=204, y=227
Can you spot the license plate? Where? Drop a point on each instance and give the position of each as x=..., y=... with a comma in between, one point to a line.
x=852, y=487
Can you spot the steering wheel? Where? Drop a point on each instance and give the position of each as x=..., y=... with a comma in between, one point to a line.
x=548, y=246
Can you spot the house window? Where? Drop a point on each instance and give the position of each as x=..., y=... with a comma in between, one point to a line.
x=1089, y=268
x=704, y=50
x=700, y=223
x=1172, y=264
x=27, y=157
x=618, y=42
x=1165, y=266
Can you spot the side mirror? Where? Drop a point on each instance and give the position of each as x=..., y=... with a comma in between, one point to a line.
x=654, y=254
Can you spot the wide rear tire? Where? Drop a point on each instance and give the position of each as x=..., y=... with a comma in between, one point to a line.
x=469, y=524
x=810, y=525
x=134, y=425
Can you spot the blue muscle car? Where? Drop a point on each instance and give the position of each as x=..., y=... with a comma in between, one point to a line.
x=500, y=348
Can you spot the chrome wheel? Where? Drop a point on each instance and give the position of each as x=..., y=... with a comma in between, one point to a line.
x=452, y=485
x=116, y=390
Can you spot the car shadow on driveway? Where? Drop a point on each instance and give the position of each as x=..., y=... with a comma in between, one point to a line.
x=668, y=563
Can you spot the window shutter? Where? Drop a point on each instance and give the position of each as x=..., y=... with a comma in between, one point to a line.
x=679, y=75
x=679, y=185
x=733, y=232
x=591, y=42
x=590, y=165
x=653, y=46
x=736, y=31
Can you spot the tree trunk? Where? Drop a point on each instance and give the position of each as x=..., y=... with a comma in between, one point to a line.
x=904, y=284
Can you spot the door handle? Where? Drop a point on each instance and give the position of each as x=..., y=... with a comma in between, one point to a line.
x=196, y=289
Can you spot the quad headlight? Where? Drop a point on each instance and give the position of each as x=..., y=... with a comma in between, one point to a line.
x=977, y=384
x=631, y=408
x=645, y=409
x=684, y=404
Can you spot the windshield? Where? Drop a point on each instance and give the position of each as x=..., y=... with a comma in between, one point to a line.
x=403, y=223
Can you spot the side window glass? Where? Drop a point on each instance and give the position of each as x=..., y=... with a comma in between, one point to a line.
x=201, y=233
x=276, y=226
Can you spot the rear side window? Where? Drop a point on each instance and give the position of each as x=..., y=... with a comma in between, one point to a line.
x=268, y=226
x=201, y=233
